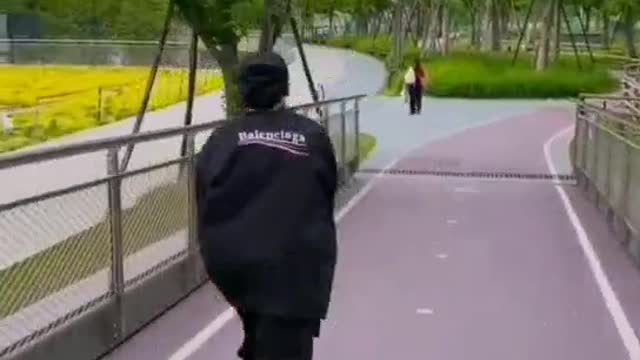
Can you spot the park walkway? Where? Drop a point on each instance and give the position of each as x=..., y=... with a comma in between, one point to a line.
x=453, y=268
x=446, y=268
x=22, y=235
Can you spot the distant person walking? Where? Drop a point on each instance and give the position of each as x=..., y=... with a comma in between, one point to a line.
x=409, y=87
x=415, y=79
x=418, y=86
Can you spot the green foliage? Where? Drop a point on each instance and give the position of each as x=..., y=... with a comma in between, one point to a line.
x=117, y=19
x=379, y=47
x=482, y=75
x=367, y=146
x=476, y=75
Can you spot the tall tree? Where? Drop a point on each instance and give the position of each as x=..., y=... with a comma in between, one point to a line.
x=543, y=55
x=221, y=24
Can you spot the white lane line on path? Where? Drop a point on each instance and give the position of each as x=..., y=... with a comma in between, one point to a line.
x=201, y=338
x=625, y=330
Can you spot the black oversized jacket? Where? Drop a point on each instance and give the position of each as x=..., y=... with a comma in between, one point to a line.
x=265, y=191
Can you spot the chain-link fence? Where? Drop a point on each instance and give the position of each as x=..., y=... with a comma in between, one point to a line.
x=86, y=246
x=607, y=164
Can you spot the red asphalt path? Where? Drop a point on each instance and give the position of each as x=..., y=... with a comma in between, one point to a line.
x=455, y=269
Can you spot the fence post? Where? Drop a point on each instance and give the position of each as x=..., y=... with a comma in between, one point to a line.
x=596, y=160
x=343, y=139
x=116, y=285
x=356, y=109
x=627, y=188
x=325, y=117
x=192, y=211
x=99, y=105
x=608, y=205
x=574, y=145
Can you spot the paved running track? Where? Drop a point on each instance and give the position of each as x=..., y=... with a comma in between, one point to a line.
x=454, y=269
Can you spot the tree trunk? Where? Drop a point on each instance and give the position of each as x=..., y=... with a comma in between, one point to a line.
x=475, y=33
x=542, y=61
x=434, y=31
x=486, y=36
x=557, y=27
x=505, y=18
x=267, y=33
x=229, y=60
x=629, y=32
x=495, y=27
x=424, y=31
x=395, y=59
x=492, y=26
x=419, y=23
x=606, y=25
x=331, y=18
x=377, y=23
x=587, y=18
x=445, y=29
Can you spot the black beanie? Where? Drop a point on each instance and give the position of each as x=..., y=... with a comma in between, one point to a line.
x=263, y=81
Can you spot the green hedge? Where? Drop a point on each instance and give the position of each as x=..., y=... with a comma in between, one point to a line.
x=367, y=146
x=491, y=75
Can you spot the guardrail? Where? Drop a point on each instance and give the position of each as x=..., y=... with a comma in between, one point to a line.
x=85, y=266
x=119, y=52
x=606, y=158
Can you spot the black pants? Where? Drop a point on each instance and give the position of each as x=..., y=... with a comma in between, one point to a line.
x=277, y=338
x=415, y=99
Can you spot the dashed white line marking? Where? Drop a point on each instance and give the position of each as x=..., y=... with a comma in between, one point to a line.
x=442, y=256
x=625, y=330
x=468, y=190
x=424, y=311
x=452, y=221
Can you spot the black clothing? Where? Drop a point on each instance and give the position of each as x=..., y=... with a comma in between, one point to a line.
x=277, y=338
x=263, y=81
x=265, y=191
x=415, y=98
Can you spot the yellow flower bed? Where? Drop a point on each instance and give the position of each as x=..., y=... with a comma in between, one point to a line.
x=48, y=102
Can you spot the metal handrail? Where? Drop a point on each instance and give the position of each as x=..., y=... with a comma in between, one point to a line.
x=103, y=144
x=606, y=166
x=609, y=116
x=119, y=217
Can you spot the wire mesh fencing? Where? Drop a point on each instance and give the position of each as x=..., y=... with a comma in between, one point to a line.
x=608, y=165
x=84, y=242
x=55, y=260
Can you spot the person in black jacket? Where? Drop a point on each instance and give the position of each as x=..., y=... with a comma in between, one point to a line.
x=265, y=186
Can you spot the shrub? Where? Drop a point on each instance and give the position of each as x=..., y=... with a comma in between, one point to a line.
x=479, y=75
x=491, y=75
